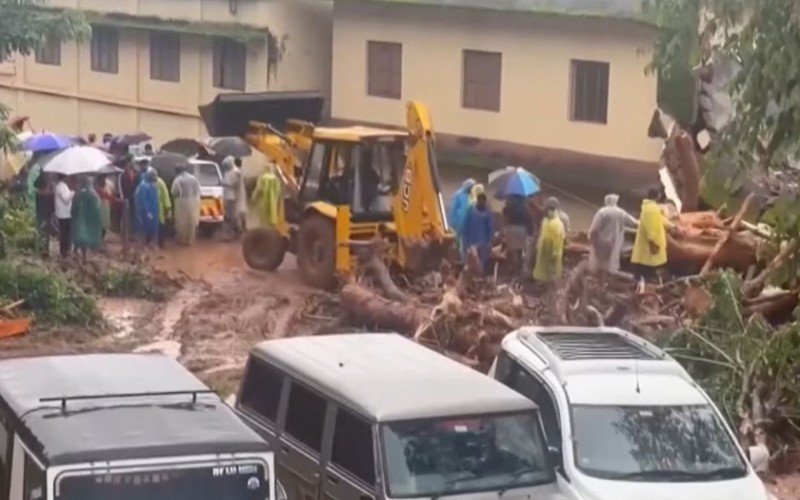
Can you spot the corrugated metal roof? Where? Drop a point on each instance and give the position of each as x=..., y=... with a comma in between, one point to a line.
x=613, y=9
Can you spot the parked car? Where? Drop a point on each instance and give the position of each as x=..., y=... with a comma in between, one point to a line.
x=212, y=208
x=123, y=426
x=628, y=421
x=369, y=416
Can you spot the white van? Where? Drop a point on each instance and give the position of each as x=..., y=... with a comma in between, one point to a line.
x=212, y=207
x=377, y=416
x=123, y=427
x=627, y=420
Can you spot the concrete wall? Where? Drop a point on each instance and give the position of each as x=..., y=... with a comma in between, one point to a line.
x=535, y=95
x=73, y=99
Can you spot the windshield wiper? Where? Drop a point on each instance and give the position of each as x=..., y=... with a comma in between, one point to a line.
x=667, y=474
x=450, y=482
x=514, y=477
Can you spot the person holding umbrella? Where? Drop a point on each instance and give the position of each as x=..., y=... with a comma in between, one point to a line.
x=518, y=224
x=147, y=207
x=87, y=223
x=63, y=209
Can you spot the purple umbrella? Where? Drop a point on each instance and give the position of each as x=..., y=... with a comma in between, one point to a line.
x=41, y=143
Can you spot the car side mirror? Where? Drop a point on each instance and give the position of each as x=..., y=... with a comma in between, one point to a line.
x=759, y=458
x=554, y=454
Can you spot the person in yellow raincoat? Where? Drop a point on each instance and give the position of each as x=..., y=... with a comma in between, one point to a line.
x=267, y=199
x=164, y=206
x=650, y=247
x=550, y=247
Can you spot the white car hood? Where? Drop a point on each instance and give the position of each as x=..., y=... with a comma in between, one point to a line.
x=746, y=488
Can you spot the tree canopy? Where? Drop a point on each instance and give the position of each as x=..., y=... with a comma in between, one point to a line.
x=26, y=25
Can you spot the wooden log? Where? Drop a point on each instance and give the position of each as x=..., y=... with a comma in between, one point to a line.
x=734, y=227
x=689, y=172
x=366, y=307
x=752, y=287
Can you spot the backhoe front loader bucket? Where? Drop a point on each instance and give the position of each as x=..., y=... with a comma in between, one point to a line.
x=230, y=114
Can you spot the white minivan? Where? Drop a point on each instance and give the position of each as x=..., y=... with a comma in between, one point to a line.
x=626, y=420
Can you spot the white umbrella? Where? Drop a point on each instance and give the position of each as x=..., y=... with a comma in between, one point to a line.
x=78, y=160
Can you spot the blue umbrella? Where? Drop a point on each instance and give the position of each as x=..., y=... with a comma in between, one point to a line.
x=42, y=143
x=513, y=181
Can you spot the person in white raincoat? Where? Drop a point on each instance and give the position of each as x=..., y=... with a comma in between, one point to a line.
x=186, y=206
x=607, y=234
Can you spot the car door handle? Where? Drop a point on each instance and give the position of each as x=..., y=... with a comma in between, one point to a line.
x=332, y=479
x=285, y=449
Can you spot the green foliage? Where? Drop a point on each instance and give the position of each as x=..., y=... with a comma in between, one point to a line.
x=52, y=297
x=748, y=367
x=17, y=227
x=127, y=281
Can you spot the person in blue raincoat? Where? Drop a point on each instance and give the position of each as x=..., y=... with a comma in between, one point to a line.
x=147, y=207
x=459, y=206
x=479, y=230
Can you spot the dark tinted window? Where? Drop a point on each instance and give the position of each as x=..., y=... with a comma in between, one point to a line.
x=34, y=480
x=262, y=389
x=105, y=49
x=305, y=417
x=529, y=386
x=352, y=446
x=5, y=455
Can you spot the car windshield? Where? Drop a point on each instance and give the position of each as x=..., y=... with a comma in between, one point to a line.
x=436, y=457
x=654, y=443
x=207, y=174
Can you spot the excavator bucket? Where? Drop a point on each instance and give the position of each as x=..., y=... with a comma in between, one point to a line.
x=230, y=114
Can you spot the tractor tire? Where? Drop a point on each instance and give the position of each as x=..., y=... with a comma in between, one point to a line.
x=316, y=252
x=264, y=249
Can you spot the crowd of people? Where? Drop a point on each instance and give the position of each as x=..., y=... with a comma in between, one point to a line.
x=534, y=233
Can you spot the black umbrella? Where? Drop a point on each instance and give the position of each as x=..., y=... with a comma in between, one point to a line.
x=186, y=147
x=229, y=146
x=167, y=164
x=131, y=138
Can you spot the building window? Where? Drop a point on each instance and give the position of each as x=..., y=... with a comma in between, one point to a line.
x=590, y=91
x=165, y=57
x=384, y=69
x=482, y=79
x=105, y=50
x=230, y=64
x=49, y=53
x=305, y=417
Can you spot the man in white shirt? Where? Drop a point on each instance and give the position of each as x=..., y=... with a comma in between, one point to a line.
x=63, y=207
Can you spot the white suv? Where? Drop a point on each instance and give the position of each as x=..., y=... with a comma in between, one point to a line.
x=624, y=419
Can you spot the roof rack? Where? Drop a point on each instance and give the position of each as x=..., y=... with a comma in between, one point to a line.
x=64, y=399
x=571, y=346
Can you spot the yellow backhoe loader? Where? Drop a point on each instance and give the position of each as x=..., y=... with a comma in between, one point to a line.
x=344, y=186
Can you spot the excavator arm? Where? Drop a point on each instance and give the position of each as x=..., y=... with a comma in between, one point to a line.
x=418, y=206
x=286, y=150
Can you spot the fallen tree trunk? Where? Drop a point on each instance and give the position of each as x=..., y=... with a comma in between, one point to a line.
x=731, y=230
x=752, y=287
x=365, y=307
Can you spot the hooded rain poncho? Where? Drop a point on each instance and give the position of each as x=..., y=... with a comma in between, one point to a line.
x=652, y=229
x=147, y=206
x=607, y=235
x=267, y=199
x=550, y=249
x=459, y=205
x=164, y=200
x=87, y=222
x=186, y=194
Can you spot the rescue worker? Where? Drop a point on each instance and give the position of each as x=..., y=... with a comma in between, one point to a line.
x=607, y=234
x=650, y=247
x=231, y=183
x=147, y=207
x=87, y=223
x=479, y=230
x=164, y=206
x=186, y=196
x=107, y=200
x=241, y=196
x=45, y=207
x=128, y=182
x=459, y=205
x=518, y=222
x=550, y=246
x=267, y=199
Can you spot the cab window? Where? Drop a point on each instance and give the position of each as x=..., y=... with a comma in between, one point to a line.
x=305, y=417
x=352, y=446
x=5, y=455
x=261, y=392
x=34, y=480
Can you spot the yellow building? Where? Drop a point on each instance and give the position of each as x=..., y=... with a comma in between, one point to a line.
x=150, y=63
x=560, y=91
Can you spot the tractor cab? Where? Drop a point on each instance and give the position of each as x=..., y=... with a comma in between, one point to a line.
x=357, y=167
